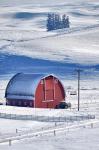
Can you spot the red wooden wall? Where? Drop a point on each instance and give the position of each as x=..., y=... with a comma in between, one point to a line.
x=49, y=93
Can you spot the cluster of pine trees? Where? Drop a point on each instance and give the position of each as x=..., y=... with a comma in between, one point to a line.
x=55, y=21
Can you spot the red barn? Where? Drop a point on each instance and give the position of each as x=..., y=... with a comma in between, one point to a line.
x=34, y=90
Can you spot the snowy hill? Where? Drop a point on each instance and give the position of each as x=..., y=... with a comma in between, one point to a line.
x=26, y=46
x=25, y=41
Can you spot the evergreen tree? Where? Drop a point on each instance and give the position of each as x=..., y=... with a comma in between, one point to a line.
x=57, y=21
x=54, y=22
x=65, y=21
x=50, y=22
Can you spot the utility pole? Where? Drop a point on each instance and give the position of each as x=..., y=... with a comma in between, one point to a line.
x=78, y=74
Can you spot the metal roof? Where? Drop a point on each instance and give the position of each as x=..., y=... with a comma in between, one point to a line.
x=23, y=86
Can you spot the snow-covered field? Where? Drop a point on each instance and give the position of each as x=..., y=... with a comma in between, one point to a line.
x=30, y=135
x=85, y=138
x=26, y=46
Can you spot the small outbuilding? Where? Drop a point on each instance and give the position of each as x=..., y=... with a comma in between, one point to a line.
x=34, y=90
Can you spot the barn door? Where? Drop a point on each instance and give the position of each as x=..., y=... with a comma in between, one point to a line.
x=49, y=89
x=49, y=95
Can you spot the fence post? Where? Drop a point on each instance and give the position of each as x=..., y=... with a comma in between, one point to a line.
x=91, y=125
x=10, y=142
x=70, y=118
x=54, y=133
x=16, y=130
x=15, y=117
x=53, y=118
x=65, y=119
x=55, y=124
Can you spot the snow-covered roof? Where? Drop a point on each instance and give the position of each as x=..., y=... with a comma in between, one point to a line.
x=23, y=86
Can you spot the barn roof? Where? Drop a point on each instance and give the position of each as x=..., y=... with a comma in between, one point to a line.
x=23, y=86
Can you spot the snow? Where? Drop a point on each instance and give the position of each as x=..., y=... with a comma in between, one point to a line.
x=26, y=33
x=40, y=112
x=72, y=139
x=26, y=46
x=77, y=139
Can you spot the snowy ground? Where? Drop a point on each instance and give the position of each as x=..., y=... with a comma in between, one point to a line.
x=81, y=139
x=33, y=135
x=26, y=46
x=72, y=134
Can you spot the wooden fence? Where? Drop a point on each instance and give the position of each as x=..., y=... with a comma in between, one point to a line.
x=47, y=118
